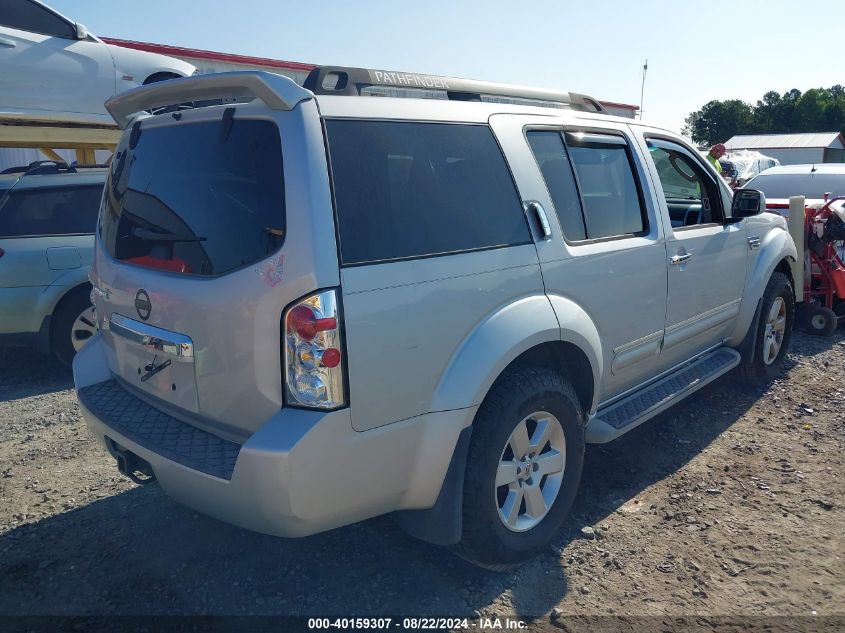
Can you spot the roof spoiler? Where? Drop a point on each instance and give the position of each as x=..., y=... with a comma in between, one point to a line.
x=276, y=91
x=340, y=80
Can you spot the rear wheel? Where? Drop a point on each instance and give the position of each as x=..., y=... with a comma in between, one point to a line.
x=72, y=325
x=774, y=330
x=523, y=468
x=821, y=321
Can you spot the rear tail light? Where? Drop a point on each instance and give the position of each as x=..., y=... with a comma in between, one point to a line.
x=313, y=356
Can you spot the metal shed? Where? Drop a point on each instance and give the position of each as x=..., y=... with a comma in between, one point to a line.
x=794, y=149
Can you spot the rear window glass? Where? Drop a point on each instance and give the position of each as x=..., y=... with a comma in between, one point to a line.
x=50, y=211
x=807, y=185
x=407, y=189
x=196, y=198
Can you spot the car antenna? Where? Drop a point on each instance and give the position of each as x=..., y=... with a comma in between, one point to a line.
x=813, y=169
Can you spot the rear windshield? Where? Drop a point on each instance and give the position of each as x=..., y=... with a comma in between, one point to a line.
x=807, y=185
x=196, y=198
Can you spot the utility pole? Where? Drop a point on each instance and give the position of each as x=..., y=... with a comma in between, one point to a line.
x=642, y=89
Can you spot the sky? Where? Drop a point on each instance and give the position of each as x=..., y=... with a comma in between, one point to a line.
x=697, y=51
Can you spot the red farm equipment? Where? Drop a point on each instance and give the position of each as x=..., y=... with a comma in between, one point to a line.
x=824, y=281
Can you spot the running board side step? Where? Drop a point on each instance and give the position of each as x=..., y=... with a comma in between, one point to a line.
x=620, y=417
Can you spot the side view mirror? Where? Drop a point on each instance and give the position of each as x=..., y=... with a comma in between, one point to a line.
x=748, y=202
x=81, y=31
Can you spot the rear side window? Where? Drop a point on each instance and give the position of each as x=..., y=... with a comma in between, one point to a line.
x=28, y=16
x=196, y=198
x=407, y=189
x=611, y=197
x=50, y=211
x=553, y=160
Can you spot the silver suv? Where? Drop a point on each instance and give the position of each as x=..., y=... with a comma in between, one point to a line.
x=316, y=306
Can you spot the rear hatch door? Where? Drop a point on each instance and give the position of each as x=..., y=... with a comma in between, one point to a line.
x=199, y=252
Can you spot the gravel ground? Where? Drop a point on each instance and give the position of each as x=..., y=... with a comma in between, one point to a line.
x=731, y=504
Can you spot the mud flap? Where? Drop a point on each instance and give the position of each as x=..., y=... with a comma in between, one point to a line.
x=442, y=523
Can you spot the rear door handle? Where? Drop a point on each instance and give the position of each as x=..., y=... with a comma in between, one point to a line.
x=542, y=219
x=8, y=43
x=680, y=259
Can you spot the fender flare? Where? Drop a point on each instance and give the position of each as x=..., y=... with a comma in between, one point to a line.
x=776, y=246
x=505, y=334
x=579, y=329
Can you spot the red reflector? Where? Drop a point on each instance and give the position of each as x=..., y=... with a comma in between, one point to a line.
x=305, y=324
x=331, y=357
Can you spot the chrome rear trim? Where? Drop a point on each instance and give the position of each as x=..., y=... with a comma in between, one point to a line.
x=178, y=346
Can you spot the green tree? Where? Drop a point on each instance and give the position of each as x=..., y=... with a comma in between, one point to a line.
x=766, y=111
x=717, y=121
x=809, y=113
x=817, y=110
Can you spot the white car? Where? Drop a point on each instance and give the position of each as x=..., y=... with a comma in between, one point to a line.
x=810, y=181
x=52, y=68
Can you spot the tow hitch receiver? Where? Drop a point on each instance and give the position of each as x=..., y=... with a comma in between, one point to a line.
x=129, y=464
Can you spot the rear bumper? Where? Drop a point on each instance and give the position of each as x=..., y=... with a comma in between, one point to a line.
x=302, y=472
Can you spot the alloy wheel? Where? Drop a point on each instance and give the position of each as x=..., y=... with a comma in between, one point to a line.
x=84, y=327
x=775, y=331
x=530, y=471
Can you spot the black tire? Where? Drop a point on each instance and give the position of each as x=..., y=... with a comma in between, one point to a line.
x=840, y=313
x=61, y=325
x=518, y=393
x=157, y=78
x=756, y=371
x=821, y=321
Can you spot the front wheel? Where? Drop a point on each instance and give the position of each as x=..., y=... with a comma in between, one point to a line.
x=523, y=468
x=774, y=330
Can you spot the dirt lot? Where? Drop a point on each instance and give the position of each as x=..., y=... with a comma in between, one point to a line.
x=734, y=503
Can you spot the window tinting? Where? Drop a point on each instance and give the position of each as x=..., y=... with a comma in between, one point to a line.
x=553, y=160
x=196, y=198
x=406, y=189
x=611, y=199
x=28, y=16
x=50, y=211
x=691, y=195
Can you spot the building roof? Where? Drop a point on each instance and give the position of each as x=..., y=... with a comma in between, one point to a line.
x=248, y=60
x=196, y=53
x=784, y=141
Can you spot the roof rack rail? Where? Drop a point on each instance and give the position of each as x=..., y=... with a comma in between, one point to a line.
x=341, y=80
